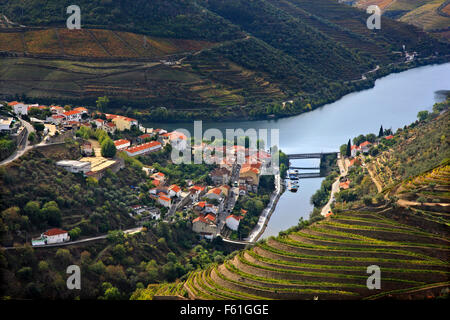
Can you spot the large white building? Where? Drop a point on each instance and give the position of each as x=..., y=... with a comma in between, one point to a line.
x=148, y=147
x=20, y=108
x=75, y=166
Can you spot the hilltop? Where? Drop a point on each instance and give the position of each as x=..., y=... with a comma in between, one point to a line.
x=393, y=216
x=210, y=59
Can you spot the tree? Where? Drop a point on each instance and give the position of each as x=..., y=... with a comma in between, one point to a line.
x=32, y=210
x=422, y=115
x=108, y=148
x=381, y=133
x=39, y=126
x=349, y=148
x=102, y=103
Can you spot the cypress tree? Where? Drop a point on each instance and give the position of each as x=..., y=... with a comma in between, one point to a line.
x=381, y=133
x=349, y=148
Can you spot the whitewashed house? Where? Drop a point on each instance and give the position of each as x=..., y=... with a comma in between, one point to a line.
x=233, y=221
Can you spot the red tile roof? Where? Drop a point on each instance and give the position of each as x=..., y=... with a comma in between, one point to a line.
x=216, y=191
x=121, y=142
x=54, y=232
x=201, y=219
x=70, y=113
x=144, y=146
x=211, y=217
x=175, y=188
x=145, y=136
x=234, y=217
x=389, y=137
x=365, y=143
x=164, y=198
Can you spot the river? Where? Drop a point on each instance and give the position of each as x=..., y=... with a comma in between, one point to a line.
x=393, y=102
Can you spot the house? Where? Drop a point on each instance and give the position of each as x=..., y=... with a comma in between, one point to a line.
x=159, y=176
x=214, y=194
x=144, y=137
x=204, y=226
x=233, y=221
x=196, y=192
x=389, y=137
x=145, y=148
x=81, y=110
x=75, y=166
x=73, y=115
x=354, y=150
x=124, y=123
x=57, y=110
x=19, y=108
x=122, y=144
x=6, y=124
x=365, y=146
x=174, y=191
x=56, y=119
x=99, y=123
x=250, y=174
x=109, y=127
x=200, y=206
x=220, y=176
x=51, y=236
x=164, y=200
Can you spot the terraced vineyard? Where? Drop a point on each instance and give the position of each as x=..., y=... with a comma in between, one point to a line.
x=95, y=43
x=428, y=195
x=329, y=260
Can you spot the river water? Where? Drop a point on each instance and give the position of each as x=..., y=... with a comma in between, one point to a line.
x=394, y=102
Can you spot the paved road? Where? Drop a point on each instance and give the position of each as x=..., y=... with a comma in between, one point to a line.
x=23, y=147
x=335, y=187
x=129, y=231
x=265, y=215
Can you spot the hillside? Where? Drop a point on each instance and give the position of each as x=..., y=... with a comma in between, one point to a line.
x=223, y=55
x=403, y=229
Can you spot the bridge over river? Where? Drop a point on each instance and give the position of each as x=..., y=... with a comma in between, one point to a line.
x=318, y=155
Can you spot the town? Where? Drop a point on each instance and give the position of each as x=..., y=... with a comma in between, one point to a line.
x=107, y=140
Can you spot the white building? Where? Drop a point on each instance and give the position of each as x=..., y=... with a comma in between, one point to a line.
x=174, y=191
x=5, y=124
x=19, y=108
x=165, y=201
x=148, y=147
x=75, y=166
x=122, y=144
x=51, y=236
x=233, y=221
x=73, y=115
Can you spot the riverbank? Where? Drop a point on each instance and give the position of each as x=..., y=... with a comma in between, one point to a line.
x=299, y=103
